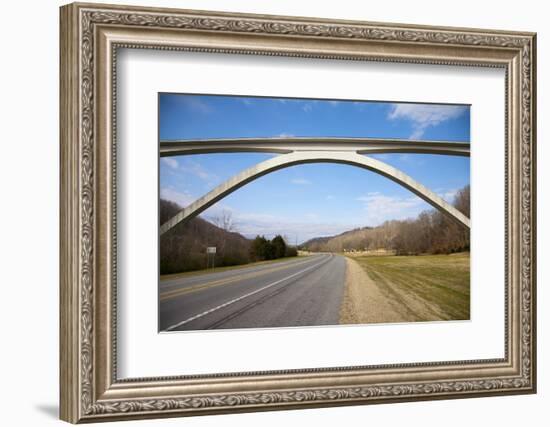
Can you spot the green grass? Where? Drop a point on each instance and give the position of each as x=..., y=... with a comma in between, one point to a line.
x=438, y=281
x=220, y=269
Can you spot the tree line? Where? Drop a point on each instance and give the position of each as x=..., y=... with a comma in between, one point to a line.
x=263, y=249
x=431, y=232
x=183, y=248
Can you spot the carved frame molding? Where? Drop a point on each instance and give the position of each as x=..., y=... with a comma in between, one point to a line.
x=90, y=37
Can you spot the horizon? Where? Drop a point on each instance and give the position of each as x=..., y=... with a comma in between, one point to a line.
x=212, y=221
x=311, y=200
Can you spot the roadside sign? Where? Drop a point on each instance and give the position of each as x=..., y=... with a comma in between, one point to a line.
x=211, y=250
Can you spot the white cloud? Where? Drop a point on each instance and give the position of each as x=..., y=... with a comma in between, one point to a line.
x=296, y=230
x=170, y=161
x=418, y=132
x=412, y=159
x=307, y=107
x=182, y=168
x=197, y=104
x=285, y=135
x=181, y=198
x=380, y=208
x=252, y=224
x=300, y=181
x=425, y=115
x=196, y=169
x=447, y=195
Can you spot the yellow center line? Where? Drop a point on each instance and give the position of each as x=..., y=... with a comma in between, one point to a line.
x=178, y=292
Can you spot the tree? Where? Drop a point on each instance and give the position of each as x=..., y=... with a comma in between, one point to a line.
x=462, y=200
x=291, y=251
x=279, y=246
x=269, y=253
x=260, y=249
x=225, y=221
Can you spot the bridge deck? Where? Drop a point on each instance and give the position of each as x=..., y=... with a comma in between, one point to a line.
x=289, y=145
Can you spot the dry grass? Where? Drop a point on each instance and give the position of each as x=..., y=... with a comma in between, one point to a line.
x=415, y=288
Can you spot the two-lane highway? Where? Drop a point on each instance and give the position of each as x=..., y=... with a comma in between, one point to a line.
x=304, y=291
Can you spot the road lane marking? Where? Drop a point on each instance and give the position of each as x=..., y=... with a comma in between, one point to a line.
x=179, y=292
x=225, y=304
x=169, y=280
x=182, y=291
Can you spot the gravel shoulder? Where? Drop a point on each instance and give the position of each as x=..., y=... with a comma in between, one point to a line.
x=364, y=302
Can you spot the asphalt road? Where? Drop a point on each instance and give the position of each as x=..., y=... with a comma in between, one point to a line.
x=304, y=291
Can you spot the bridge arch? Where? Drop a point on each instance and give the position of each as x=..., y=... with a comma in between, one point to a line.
x=303, y=157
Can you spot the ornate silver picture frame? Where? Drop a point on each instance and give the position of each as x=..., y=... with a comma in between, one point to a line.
x=91, y=36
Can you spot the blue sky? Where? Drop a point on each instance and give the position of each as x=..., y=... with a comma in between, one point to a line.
x=310, y=200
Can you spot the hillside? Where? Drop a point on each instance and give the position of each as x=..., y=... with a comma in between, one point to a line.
x=431, y=232
x=184, y=247
x=322, y=243
x=365, y=238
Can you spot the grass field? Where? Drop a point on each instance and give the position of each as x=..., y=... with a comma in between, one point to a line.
x=427, y=287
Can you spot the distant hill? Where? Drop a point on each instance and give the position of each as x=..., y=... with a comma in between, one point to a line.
x=183, y=248
x=358, y=238
x=317, y=243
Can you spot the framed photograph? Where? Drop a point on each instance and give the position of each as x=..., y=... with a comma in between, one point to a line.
x=266, y=212
x=309, y=240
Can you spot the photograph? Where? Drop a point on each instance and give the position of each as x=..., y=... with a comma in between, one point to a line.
x=301, y=212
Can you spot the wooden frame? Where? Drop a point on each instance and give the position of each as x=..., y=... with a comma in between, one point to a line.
x=90, y=36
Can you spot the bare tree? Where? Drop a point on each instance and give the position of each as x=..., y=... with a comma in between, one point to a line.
x=224, y=221
x=184, y=247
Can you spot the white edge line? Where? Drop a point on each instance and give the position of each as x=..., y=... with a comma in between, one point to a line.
x=246, y=269
x=225, y=304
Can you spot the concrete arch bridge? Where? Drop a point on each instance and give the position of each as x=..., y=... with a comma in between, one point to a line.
x=296, y=151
